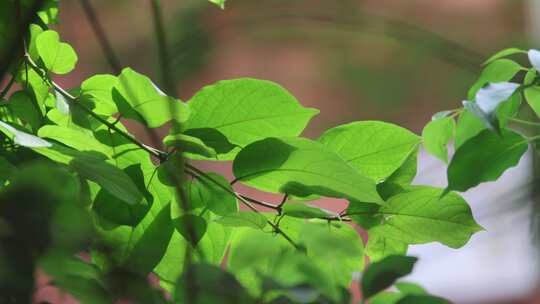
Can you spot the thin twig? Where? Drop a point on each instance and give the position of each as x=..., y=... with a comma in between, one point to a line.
x=159, y=29
x=101, y=36
x=200, y=174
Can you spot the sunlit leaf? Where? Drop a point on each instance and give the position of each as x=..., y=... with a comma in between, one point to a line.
x=374, y=148
x=58, y=57
x=246, y=110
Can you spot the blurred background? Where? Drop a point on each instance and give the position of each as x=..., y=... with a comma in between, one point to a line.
x=397, y=61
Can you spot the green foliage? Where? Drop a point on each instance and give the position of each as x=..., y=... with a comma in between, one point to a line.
x=383, y=274
x=301, y=167
x=58, y=57
x=73, y=179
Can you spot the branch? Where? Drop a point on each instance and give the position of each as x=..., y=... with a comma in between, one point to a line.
x=101, y=36
x=246, y=199
x=75, y=101
x=195, y=172
x=159, y=29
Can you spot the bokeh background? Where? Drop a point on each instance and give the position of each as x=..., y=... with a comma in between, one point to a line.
x=397, y=61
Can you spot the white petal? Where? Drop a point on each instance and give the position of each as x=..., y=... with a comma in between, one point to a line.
x=534, y=58
x=25, y=139
x=489, y=97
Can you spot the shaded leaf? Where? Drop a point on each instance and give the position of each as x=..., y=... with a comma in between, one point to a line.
x=191, y=227
x=301, y=167
x=381, y=275
x=203, y=283
x=484, y=158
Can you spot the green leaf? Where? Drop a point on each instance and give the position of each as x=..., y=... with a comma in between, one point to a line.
x=35, y=30
x=138, y=98
x=189, y=145
x=49, y=11
x=468, y=125
x=436, y=135
x=335, y=248
x=6, y=170
x=191, y=227
x=364, y=214
x=487, y=101
x=22, y=106
x=379, y=247
x=98, y=91
x=255, y=255
x=58, y=57
x=410, y=288
x=220, y=3
x=497, y=71
x=532, y=93
x=78, y=278
x=210, y=249
x=22, y=138
x=243, y=219
x=246, y=110
x=381, y=275
x=111, y=178
x=210, y=284
x=484, y=158
x=214, y=197
x=213, y=139
x=416, y=217
x=422, y=299
x=374, y=148
x=304, y=210
x=82, y=141
x=504, y=53
x=301, y=167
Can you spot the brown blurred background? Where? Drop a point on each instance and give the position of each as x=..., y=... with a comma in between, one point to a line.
x=398, y=61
